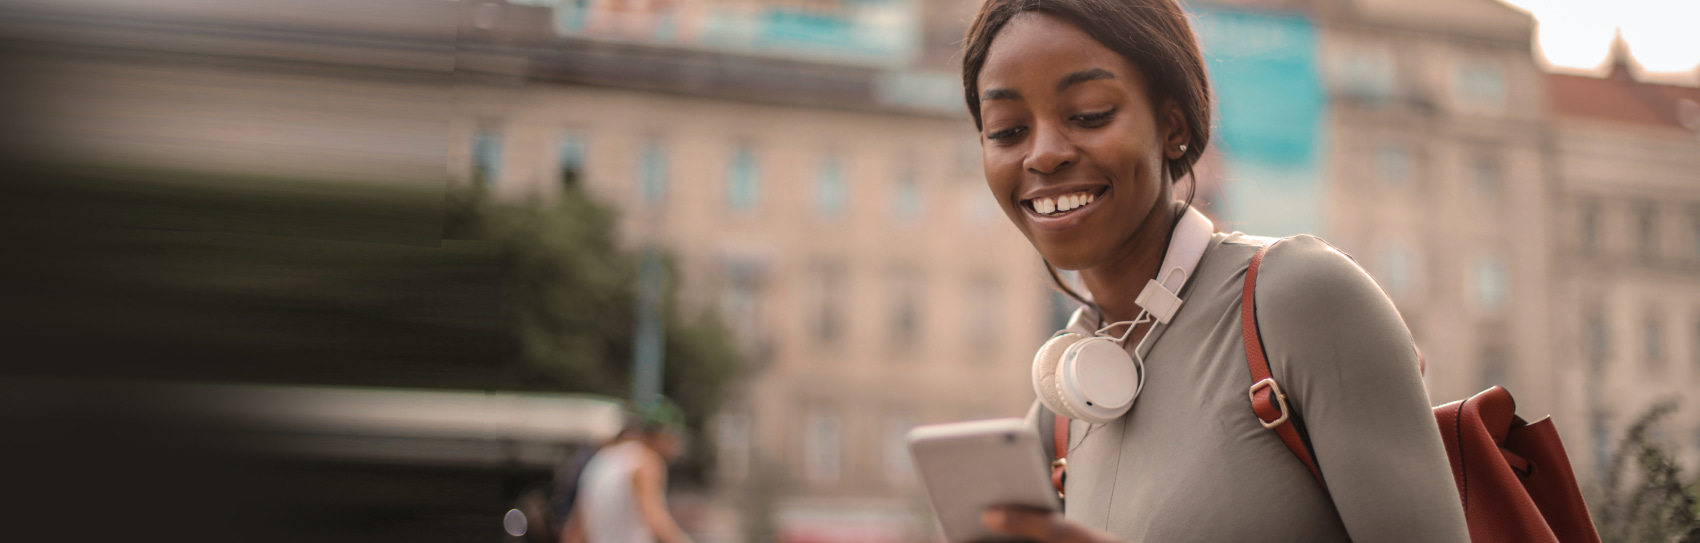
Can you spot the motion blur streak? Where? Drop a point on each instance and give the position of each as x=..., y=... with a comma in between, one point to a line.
x=229, y=191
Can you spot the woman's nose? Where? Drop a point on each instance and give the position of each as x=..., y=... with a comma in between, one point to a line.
x=1052, y=150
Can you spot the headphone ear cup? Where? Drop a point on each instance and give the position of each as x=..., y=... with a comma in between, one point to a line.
x=1046, y=384
x=1097, y=379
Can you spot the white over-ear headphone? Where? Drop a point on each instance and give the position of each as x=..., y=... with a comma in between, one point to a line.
x=1093, y=378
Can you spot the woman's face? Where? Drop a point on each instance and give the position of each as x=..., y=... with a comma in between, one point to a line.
x=1072, y=150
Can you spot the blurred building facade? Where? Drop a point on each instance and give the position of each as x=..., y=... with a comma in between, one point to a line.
x=1625, y=157
x=1430, y=171
x=821, y=191
x=1437, y=185
x=1537, y=231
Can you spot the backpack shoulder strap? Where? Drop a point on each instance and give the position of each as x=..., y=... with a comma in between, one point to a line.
x=1059, y=445
x=1268, y=402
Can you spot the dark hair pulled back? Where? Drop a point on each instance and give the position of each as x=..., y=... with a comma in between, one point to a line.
x=1153, y=35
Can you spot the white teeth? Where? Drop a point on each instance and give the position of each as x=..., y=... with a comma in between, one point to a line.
x=1047, y=206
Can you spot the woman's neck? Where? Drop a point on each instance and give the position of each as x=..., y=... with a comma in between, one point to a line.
x=1115, y=284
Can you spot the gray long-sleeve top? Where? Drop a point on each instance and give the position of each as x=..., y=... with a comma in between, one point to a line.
x=1190, y=462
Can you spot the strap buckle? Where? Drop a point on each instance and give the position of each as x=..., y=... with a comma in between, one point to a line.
x=1280, y=400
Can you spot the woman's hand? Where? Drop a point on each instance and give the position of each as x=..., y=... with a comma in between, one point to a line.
x=1041, y=525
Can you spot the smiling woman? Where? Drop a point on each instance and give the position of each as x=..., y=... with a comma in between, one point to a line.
x=1066, y=120
x=1053, y=80
x=1090, y=114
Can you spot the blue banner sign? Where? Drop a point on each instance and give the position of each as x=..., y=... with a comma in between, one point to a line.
x=1270, y=110
x=872, y=32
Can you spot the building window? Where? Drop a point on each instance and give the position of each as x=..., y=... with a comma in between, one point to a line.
x=906, y=195
x=743, y=179
x=985, y=299
x=1485, y=171
x=1653, y=340
x=1396, y=269
x=829, y=296
x=1495, y=367
x=1602, y=442
x=1369, y=75
x=1694, y=345
x=821, y=445
x=895, y=449
x=741, y=302
x=1489, y=283
x=1479, y=83
x=831, y=190
x=652, y=173
x=1393, y=163
x=1694, y=230
x=1599, y=338
x=569, y=159
x=1647, y=231
x=1591, y=226
x=906, y=293
x=486, y=157
x=732, y=434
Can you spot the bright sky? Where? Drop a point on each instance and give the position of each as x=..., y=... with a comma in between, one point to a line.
x=1663, y=35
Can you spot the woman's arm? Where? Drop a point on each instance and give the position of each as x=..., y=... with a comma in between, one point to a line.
x=573, y=531
x=1340, y=350
x=650, y=490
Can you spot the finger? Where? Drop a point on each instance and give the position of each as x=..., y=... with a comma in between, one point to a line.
x=1038, y=524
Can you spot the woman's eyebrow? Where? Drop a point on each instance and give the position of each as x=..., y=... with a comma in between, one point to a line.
x=1076, y=78
x=1089, y=74
x=1000, y=94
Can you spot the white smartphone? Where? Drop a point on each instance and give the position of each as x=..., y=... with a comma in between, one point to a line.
x=969, y=466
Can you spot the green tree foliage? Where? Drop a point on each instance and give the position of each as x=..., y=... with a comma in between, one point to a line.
x=570, y=294
x=1650, y=504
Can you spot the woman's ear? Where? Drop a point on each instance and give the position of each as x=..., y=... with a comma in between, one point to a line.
x=1177, y=135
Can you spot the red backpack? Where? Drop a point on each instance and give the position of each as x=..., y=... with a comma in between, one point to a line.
x=1513, y=477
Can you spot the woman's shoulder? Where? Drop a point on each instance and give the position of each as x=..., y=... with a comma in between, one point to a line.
x=1307, y=276
x=1314, y=303
x=1310, y=256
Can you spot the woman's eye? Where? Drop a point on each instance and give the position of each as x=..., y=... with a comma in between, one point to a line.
x=1006, y=134
x=1093, y=119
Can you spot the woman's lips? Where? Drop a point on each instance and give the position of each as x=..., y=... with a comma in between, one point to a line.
x=1065, y=210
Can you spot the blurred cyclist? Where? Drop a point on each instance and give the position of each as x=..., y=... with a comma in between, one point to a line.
x=622, y=492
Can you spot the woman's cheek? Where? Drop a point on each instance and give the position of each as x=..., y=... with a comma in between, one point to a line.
x=1003, y=170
